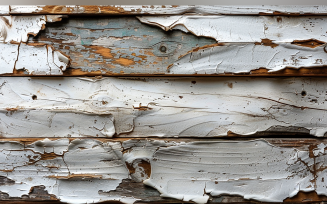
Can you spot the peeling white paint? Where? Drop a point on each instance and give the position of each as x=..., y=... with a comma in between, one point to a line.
x=238, y=58
x=245, y=28
x=41, y=60
x=84, y=168
x=255, y=170
x=18, y=28
x=16, y=54
x=4, y=9
x=55, y=18
x=183, y=107
x=8, y=57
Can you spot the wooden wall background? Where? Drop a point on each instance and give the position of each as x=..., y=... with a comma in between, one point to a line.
x=163, y=104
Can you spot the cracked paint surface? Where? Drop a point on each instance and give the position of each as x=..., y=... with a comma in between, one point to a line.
x=161, y=107
x=240, y=58
x=64, y=174
x=184, y=170
x=223, y=29
x=16, y=55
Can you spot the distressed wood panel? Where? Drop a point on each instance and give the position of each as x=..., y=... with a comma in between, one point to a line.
x=171, y=9
x=124, y=46
x=38, y=59
x=248, y=29
x=189, y=170
x=161, y=107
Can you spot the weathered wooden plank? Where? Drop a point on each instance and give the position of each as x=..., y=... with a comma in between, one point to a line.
x=188, y=170
x=124, y=46
x=248, y=29
x=171, y=9
x=37, y=59
x=162, y=107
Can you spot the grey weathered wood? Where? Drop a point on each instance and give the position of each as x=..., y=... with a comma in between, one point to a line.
x=161, y=107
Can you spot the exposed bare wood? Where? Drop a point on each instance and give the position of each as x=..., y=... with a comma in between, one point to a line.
x=161, y=107
x=171, y=9
x=123, y=46
x=188, y=170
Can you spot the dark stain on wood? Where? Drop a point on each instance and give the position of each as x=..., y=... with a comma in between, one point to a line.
x=311, y=43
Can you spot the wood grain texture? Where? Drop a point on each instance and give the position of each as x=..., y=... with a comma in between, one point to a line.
x=113, y=46
x=161, y=107
x=210, y=171
x=171, y=9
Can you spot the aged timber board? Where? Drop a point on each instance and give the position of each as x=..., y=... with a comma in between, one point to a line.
x=160, y=107
x=186, y=45
x=188, y=170
x=165, y=9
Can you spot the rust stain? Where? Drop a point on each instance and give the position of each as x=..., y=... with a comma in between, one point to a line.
x=266, y=42
x=279, y=19
x=312, y=43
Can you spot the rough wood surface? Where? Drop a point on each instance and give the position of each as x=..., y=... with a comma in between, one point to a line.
x=124, y=46
x=160, y=107
x=171, y=9
x=189, y=170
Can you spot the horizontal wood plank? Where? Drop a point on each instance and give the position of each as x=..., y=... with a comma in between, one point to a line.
x=161, y=107
x=171, y=9
x=92, y=170
x=125, y=46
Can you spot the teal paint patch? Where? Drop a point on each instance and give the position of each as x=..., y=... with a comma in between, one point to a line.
x=110, y=43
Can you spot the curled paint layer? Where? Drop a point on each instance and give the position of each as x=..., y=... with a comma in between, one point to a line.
x=18, y=28
x=72, y=107
x=57, y=165
x=185, y=170
x=248, y=29
x=255, y=170
x=238, y=58
x=41, y=60
x=15, y=54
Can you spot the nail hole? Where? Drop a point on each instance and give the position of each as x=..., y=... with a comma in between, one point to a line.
x=34, y=97
x=163, y=48
x=303, y=93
